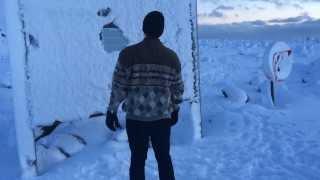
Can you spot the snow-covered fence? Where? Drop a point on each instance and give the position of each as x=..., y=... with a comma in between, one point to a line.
x=62, y=67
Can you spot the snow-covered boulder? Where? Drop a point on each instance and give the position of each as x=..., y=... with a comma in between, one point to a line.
x=47, y=156
x=234, y=94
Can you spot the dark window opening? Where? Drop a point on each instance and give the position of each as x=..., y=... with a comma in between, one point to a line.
x=112, y=38
x=33, y=41
x=104, y=12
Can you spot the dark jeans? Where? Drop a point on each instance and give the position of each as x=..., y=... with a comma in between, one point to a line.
x=139, y=134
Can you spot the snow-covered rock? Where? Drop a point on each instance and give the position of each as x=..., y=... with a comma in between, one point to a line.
x=47, y=156
x=235, y=94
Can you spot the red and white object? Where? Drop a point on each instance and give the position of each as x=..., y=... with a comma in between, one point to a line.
x=278, y=64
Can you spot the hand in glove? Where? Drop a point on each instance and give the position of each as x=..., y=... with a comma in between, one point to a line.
x=174, y=117
x=112, y=121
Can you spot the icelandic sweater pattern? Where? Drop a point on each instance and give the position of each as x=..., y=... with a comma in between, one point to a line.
x=148, y=79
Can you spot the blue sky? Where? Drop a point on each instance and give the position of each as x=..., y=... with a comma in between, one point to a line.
x=261, y=11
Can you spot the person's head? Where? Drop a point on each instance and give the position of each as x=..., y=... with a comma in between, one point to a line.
x=153, y=24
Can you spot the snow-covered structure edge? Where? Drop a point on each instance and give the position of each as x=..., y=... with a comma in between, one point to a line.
x=44, y=41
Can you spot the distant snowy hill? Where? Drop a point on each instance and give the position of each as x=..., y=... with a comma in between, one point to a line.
x=259, y=30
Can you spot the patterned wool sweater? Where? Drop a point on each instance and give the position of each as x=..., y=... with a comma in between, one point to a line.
x=147, y=78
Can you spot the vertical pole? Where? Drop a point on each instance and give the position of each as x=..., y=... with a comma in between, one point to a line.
x=196, y=100
x=17, y=53
x=272, y=91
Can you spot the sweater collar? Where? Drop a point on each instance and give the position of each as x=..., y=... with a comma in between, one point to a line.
x=152, y=40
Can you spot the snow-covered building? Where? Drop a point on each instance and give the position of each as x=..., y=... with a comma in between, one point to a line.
x=63, y=54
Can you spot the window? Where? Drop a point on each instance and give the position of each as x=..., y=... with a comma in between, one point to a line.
x=112, y=38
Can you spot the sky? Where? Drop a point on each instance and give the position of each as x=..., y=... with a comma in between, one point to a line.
x=212, y=12
x=252, y=18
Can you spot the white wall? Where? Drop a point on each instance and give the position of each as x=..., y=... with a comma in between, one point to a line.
x=61, y=71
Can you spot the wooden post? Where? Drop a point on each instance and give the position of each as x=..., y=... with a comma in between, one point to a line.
x=272, y=92
x=196, y=99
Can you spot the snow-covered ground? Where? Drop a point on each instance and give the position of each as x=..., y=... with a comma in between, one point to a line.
x=242, y=141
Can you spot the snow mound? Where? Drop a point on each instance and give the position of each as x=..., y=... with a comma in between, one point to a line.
x=235, y=94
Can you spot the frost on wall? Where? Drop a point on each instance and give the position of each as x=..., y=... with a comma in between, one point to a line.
x=71, y=48
x=69, y=70
x=4, y=62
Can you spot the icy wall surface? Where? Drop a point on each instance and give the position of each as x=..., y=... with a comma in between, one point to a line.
x=3, y=45
x=68, y=71
x=4, y=61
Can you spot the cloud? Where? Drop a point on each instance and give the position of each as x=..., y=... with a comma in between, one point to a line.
x=225, y=8
x=269, y=1
x=297, y=6
x=247, y=23
x=299, y=19
x=258, y=23
x=260, y=8
x=279, y=4
x=215, y=13
x=229, y=11
x=210, y=1
x=248, y=30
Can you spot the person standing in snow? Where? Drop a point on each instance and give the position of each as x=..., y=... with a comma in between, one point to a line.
x=147, y=78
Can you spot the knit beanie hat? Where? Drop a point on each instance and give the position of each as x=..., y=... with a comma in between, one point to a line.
x=153, y=24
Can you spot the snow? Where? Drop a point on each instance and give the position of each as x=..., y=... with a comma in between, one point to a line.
x=251, y=141
x=235, y=94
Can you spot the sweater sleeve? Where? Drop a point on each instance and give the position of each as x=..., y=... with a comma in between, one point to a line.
x=119, y=84
x=177, y=89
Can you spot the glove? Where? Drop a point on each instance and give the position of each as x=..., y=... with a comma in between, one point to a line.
x=174, y=117
x=112, y=121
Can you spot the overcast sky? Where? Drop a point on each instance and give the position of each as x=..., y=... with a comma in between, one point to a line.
x=252, y=16
x=231, y=11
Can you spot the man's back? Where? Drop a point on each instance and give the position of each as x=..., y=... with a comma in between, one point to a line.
x=152, y=51
x=149, y=75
